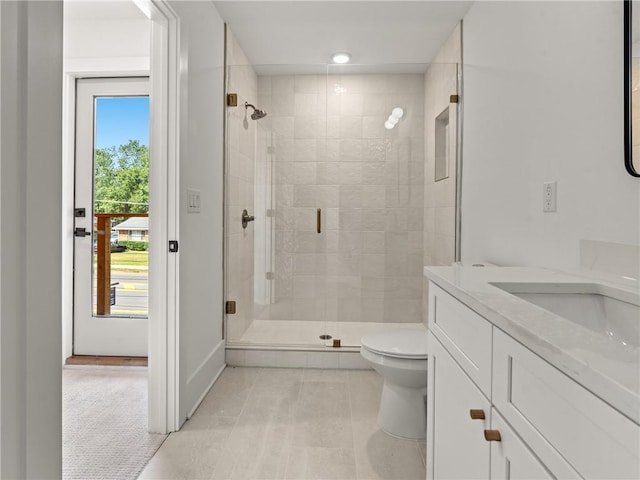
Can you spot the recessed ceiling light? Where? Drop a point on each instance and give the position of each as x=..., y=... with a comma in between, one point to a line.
x=341, y=57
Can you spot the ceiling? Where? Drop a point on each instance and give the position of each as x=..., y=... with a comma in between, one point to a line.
x=101, y=10
x=299, y=36
x=391, y=35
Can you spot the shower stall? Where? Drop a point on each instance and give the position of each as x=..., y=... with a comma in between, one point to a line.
x=334, y=165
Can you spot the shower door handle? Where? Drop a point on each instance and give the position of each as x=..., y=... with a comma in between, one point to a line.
x=319, y=220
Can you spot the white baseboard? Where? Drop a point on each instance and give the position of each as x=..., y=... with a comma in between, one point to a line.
x=201, y=381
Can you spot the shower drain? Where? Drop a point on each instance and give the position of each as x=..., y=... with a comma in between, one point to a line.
x=325, y=337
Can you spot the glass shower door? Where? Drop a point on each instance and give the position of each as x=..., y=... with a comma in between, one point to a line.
x=272, y=265
x=298, y=126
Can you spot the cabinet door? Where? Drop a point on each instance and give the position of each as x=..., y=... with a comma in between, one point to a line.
x=510, y=458
x=464, y=334
x=571, y=430
x=455, y=443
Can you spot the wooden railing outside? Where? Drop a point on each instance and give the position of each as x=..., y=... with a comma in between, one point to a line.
x=103, y=254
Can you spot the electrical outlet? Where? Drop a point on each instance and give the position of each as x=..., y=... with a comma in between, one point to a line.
x=550, y=197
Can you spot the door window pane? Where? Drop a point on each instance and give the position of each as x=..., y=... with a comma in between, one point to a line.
x=121, y=196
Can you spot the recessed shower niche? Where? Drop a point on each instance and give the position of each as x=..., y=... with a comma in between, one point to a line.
x=442, y=145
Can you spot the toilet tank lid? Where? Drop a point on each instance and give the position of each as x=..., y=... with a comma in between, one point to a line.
x=400, y=342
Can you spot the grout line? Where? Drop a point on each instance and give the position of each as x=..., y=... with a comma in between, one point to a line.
x=353, y=433
x=294, y=423
x=235, y=425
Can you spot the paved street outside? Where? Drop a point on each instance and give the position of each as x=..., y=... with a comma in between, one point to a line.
x=132, y=292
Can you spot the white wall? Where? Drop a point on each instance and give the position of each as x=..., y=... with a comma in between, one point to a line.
x=106, y=38
x=201, y=62
x=543, y=101
x=30, y=197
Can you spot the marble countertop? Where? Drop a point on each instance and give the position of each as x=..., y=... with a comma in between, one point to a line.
x=602, y=365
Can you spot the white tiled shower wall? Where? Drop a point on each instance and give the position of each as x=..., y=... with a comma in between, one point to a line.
x=331, y=151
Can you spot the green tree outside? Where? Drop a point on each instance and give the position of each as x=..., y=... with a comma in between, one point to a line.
x=122, y=179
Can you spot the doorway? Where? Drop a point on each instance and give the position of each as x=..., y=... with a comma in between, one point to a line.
x=105, y=407
x=111, y=217
x=120, y=39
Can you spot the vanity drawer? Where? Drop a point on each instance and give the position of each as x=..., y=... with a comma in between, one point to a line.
x=465, y=335
x=549, y=409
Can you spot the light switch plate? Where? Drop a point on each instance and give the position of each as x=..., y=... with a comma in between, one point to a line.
x=193, y=200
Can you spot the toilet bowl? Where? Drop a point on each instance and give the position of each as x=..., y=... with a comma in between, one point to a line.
x=400, y=356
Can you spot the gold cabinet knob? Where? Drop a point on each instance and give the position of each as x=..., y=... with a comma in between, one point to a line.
x=476, y=414
x=492, y=436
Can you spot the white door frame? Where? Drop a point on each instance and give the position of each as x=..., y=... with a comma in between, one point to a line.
x=163, y=185
x=165, y=182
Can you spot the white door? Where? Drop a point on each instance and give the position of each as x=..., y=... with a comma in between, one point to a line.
x=111, y=188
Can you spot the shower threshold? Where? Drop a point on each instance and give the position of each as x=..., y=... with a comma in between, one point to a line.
x=298, y=343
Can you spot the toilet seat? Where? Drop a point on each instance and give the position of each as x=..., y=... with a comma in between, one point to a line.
x=400, y=356
x=389, y=361
x=408, y=343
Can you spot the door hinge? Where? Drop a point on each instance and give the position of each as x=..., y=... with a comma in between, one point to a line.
x=270, y=276
x=173, y=246
x=230, y=307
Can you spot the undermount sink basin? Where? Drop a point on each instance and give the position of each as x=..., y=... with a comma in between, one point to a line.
x=600, y=308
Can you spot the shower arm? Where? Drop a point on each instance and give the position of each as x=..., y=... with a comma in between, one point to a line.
x=257, y=113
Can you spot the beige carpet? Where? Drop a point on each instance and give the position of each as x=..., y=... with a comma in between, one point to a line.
x=105, y=423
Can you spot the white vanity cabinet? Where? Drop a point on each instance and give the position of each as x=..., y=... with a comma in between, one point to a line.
x=559, y=419
x=459, y=414
x=538, y=423
x=454, y=441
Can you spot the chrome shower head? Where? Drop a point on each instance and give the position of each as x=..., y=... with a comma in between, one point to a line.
x=257, y=113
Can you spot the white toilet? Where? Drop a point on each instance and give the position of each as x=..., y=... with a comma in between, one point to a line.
x=400, y=356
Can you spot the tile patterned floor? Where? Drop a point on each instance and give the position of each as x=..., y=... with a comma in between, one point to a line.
x=265, y=423
x=105, y=423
